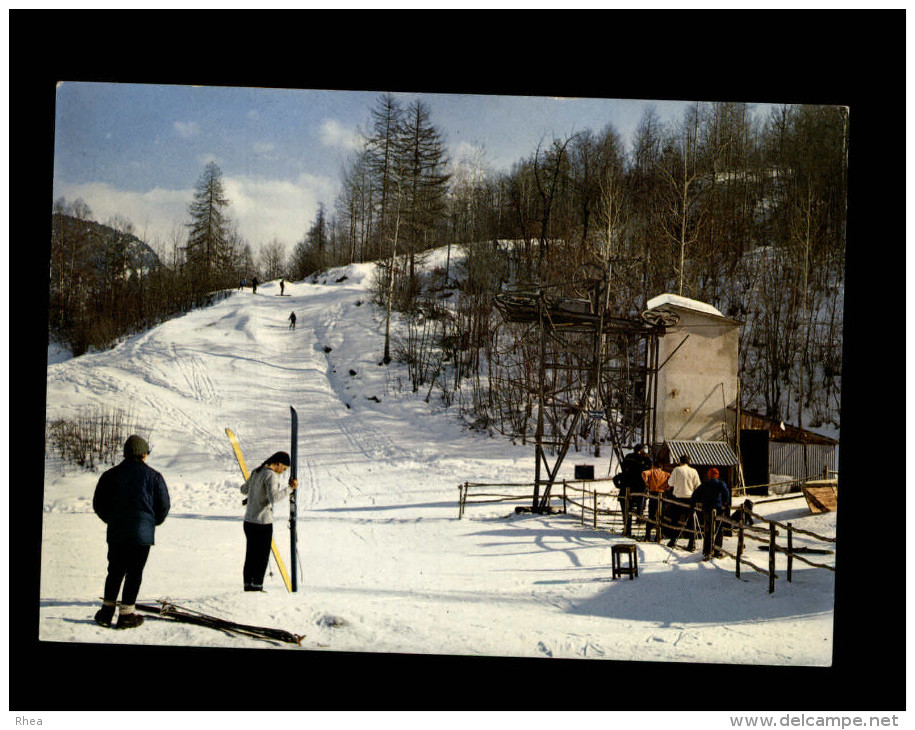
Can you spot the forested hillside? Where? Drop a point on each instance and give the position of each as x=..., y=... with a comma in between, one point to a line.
x=745, y=214
x=103, y=279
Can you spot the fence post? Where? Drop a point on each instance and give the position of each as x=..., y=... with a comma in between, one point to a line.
x=627, y=524
x=584, y=497
x=564, y=510
x=772, y=534
x=460, y=500
x=595, y=508
x=790, y=554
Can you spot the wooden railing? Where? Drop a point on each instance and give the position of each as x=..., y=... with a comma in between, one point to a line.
x=587, y=497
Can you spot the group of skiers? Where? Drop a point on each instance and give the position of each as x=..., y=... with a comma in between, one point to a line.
x=639, y=474
x=132, y=500
x=244, y=282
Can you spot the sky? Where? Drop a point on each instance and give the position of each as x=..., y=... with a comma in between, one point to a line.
x=136, y=151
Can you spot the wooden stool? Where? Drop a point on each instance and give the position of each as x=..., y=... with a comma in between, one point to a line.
x=617, y=551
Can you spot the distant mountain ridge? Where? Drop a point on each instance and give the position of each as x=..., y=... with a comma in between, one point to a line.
x=95, y=244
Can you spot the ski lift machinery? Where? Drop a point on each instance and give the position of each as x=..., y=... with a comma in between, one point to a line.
x=610, y=365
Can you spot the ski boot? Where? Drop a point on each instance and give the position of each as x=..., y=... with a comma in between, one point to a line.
x=104, y=615
x=128, y=619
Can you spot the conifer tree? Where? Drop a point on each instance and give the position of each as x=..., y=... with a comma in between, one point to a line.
x=207, y=247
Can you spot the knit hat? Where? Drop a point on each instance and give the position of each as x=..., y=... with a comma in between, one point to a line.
x=135, y=446
x=280, y=457
x=713, y=473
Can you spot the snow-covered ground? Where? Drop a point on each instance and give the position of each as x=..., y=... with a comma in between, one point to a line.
x=386, y=565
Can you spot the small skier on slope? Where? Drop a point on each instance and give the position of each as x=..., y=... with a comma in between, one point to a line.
x=292, y=321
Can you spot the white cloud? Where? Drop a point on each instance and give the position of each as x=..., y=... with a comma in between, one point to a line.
x=186, y=130
x=334, y=134
x=276, y=209
x=263, y=209
x=154, y=214
x=263, y=148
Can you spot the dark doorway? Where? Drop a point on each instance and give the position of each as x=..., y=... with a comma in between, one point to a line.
x=754, y=453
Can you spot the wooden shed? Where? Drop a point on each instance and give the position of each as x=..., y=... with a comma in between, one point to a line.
x=773, y=451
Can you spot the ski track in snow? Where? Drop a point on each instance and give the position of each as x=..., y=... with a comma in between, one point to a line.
x=390, y=568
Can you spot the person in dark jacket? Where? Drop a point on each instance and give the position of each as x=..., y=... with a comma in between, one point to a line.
x=132, y=499
x=629, y=480
x=712, y=494
x=747, y=513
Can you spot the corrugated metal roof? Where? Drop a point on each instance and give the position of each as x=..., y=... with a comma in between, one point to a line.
x=707, y=453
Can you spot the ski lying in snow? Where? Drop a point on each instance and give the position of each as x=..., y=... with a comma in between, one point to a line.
x=799, y=550
x=246, y=474
x=189, y=616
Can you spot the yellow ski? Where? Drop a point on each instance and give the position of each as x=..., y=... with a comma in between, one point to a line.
x=244, y=470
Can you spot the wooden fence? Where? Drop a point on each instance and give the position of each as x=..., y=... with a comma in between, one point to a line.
x=603, y=510
x=493, y=493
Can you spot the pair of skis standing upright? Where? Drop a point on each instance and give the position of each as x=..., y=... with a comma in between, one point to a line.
x=290, y=578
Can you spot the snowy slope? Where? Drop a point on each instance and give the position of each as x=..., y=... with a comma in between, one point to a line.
x=386, y=564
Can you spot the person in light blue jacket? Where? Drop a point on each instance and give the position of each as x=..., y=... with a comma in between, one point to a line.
x=263, y=490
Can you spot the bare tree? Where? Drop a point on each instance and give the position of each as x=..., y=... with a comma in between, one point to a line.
x=273, y=260
x=680, y=166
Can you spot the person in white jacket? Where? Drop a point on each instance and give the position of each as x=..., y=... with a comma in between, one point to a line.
x=683, y=482
x=263, y=489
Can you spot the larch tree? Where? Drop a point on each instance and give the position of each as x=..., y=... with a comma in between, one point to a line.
x=426, y=181
x=383, y=162
x=207, y=244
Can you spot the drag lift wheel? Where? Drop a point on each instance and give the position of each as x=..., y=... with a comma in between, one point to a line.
x=660, y=317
